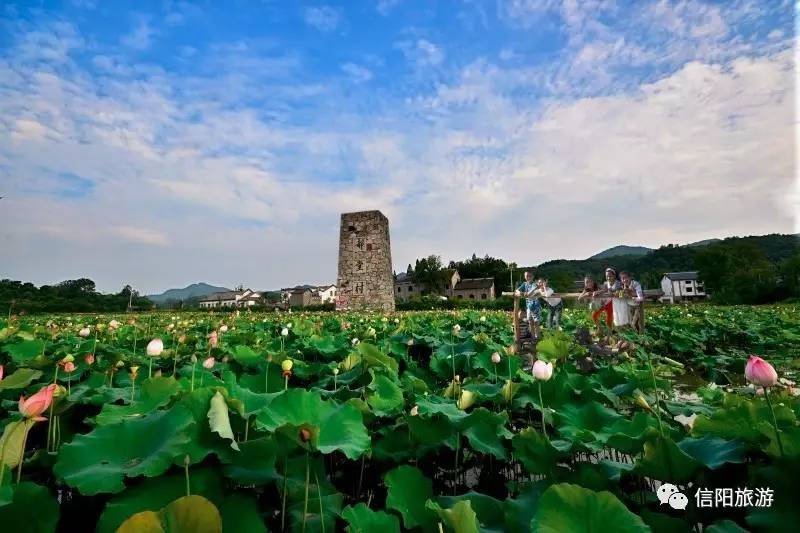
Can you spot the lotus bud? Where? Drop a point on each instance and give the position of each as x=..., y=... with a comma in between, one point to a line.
x=457, y=378
x=466, y=400
x=456, y=329
x=69, y=367
x=285, y=332
x=415, y=410
x=182, y=339
x=193, y=359
x=759, y=372
x=37, y=404
x=542, y=371
x=286, y=365
x=113, y=324
x=410, y=342
x=371, y=332
x=354, y=342
x=119, y=364
x=641, y=401
x=208, y=363
x=84, y=332
x=223, y=328
x=289, y=325
x=483, y=318
x=305, y=435
x=496, y=358
x=2, y=370
x=396, y=320
x=508, y=391
x=155, y=347
x=336, y=371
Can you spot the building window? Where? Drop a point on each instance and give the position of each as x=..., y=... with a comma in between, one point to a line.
x=471, y=296
x=410, y=288
x=459, y=296
x=689, y=289
x=398, y=289
x=483, y=296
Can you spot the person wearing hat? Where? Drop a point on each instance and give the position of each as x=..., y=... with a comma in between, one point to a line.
x=610, y=286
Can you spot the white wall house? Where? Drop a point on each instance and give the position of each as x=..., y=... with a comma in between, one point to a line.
x=680, y=286
x=327, y=294
x=245, y=298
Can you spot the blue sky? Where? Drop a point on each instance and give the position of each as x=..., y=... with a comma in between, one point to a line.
x=162, y=143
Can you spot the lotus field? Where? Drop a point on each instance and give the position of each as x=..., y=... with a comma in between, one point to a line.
x=424, y=421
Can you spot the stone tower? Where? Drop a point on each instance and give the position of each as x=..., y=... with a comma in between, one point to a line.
x=365, y=278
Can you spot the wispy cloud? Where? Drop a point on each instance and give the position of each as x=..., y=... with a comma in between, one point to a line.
x=421, y=52
x=323, y=18
x=358, y=73
x=140, y=38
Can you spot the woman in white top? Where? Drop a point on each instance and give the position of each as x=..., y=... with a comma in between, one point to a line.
x=555, y=306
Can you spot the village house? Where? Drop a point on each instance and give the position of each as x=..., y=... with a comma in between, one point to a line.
x=680, y=286
x=240, y=298
x=452, y=286
x=305, y=295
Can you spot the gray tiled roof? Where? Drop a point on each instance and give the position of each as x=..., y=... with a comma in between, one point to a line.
x=682, y=276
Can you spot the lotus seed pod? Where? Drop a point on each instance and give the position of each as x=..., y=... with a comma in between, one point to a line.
x=286, y=365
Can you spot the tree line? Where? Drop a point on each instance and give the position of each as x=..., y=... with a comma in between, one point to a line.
x=76, y=295
x=736, y=270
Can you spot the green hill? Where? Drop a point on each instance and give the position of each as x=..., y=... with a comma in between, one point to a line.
x=618, y=251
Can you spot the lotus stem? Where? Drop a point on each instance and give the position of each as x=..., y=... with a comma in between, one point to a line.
x=774, y=420
x=150, y=368
x=133, y=387
x=283, y=497
x=266, y=378
x=305, y=502
x=246, y=427
x=22, y=452
x=319, y=499
x=50, y=417
x=286, y=382
x=186, y=462
x=453, y=361
x=541, y=406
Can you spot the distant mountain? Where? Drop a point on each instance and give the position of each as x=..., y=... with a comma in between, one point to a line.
x=195, y=290
x=618, y=251
x=705, y=242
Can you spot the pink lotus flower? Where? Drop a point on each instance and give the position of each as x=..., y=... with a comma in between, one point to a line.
x=759, y=372
x=542, y=371
x=69, y=366
x=89, y=359
x=37, y=404
x=208, y=363
x=2, y=370
x=213, y=340
x=496, y=358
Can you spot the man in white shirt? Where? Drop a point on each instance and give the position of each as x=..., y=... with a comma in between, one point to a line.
x=555, y=305
x=632, y=289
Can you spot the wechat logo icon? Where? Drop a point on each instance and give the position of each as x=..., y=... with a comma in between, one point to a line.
x=669, y=494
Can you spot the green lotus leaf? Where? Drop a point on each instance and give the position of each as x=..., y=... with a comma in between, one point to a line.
x=741, y=418
x=629, y=434
x=155, y=392
x=32, y=509
x=713, y=452
x=433, y=430
x=189, y=514
x=536, y=452
x=99, y=461
x=460, y=518
x=662, y=523
x=408, y=490
x=433, y=405
x=252, y=402
x=520, y=511
x=394, y=444
x=781, y=477
x=240, y=514
x=219, y=421
x=337, y=426
x=254, y=464
x=202, y=440
x=565, y=507
x=362, y=519
x=21, y=378
x=246, y=356
x=154, y=493
x=24, y=351
x=664, y=460
x=486, y=432
x=386, y=397
x=554, y=346
x=587, y=423
x=489, y=511
x=12, y=441
x=374, y=358
x=725, y=526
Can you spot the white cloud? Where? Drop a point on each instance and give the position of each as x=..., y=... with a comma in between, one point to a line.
x=323, y=18
x=421, y=52
x=358, y=73
x=140, y=38
x=385, y=6
x=139, y=235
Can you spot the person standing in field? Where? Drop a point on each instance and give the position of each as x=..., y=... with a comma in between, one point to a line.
x=533, y=307
x=555, y=306
x=610, y=286
x=632, y=290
